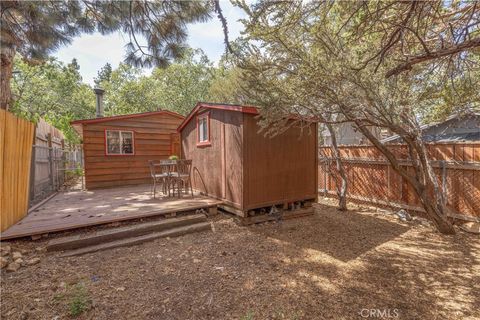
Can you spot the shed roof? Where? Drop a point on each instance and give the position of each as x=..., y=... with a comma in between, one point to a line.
x=222, y=106
x=77, y=124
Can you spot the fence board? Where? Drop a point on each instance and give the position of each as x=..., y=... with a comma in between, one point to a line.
x=16, y=139
x=2, y=154
x=372, y=179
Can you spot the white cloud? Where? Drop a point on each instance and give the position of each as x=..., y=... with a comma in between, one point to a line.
x=93, y=51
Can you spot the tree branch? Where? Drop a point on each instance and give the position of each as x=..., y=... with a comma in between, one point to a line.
x=466, y=45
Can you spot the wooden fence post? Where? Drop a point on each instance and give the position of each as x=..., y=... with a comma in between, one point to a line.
x=64, y=162
x=325, y=178
x=444, y=181
x=389, y=190
x=33, y=164
x=50, y=160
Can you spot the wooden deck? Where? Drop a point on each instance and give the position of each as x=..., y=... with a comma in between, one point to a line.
x=77, y=209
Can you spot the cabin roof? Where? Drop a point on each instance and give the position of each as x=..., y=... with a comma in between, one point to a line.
x=221, y=106
x=77, y=124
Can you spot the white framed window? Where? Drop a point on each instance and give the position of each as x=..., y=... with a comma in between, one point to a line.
x=203, y=129
x=118, y=142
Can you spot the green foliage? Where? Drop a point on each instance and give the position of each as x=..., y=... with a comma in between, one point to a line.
x=53, y=91
x=177, y=87
x=157, y=30
x=173, y=157
x=36, y=28
x=248, y=316
x=226, y=86
x=309, y=59
x=75, y=297
x=104, y=74
x=79, y=300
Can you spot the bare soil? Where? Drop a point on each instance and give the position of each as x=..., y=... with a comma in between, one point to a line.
x=359, y=264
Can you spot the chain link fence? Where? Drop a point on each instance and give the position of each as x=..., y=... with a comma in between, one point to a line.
x=374, y=181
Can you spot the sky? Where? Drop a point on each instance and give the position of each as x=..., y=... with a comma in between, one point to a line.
x=93, y=51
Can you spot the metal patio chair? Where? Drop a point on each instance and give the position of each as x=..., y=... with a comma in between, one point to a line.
x=182, y=177
x=160, y=175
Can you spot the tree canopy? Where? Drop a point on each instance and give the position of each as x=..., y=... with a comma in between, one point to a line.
x=314, y=60
x=157, y=30
x=53, y=91
x=56, y=92
x=177, y=87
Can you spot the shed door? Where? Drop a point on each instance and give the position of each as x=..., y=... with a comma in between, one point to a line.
x=175, y=146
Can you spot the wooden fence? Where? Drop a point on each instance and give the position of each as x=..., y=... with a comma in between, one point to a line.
x=47, y=160
x=16, y=140
x=371, y=179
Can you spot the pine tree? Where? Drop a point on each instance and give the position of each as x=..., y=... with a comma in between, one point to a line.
x=104, y=74
x=35, y=29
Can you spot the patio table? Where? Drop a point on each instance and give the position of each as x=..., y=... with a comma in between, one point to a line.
x=171, y=168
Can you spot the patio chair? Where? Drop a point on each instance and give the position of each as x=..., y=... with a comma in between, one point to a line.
x=161, y=176
x=182, y=177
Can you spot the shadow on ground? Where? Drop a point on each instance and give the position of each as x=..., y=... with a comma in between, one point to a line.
x=342, y=235
x=329, y=266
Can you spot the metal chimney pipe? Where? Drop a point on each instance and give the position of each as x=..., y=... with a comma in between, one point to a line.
x=99, y=93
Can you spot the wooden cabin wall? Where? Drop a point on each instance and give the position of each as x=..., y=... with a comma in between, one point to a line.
x=152, y=141
x=217, y=168
x=279, y=169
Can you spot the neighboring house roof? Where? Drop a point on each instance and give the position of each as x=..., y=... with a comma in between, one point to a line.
x=464, y=136
x=221, y=106
x=77, y=124
x=470, y=136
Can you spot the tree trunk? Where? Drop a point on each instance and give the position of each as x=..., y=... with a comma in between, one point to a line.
x=423, y=182
x=437, y=214
x=342, y=188
x=7, y=54
x=433, y=204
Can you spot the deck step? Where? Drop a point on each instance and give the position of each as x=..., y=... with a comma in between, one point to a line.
x=175, y=232
x=80, y=241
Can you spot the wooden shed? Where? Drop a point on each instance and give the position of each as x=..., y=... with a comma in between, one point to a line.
x=235, y=163
x=117, y=149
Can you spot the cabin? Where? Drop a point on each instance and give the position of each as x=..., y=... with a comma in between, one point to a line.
x=235, y=163
x=117, y=149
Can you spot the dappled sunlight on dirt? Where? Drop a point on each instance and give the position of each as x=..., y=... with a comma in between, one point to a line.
x=327, y=266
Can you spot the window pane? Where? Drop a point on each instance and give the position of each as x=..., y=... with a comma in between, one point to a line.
x=127, y=143
x=113, y=142
x=200, y=129
x=203, y=130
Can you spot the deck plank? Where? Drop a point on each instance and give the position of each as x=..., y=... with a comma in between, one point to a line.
x=78, y=209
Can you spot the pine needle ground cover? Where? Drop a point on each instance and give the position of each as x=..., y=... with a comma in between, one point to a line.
x=331, y=265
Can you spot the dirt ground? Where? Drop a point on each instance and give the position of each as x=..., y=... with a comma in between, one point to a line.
x=355, y=265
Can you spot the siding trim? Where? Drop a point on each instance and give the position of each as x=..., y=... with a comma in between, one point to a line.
x=227, y=107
